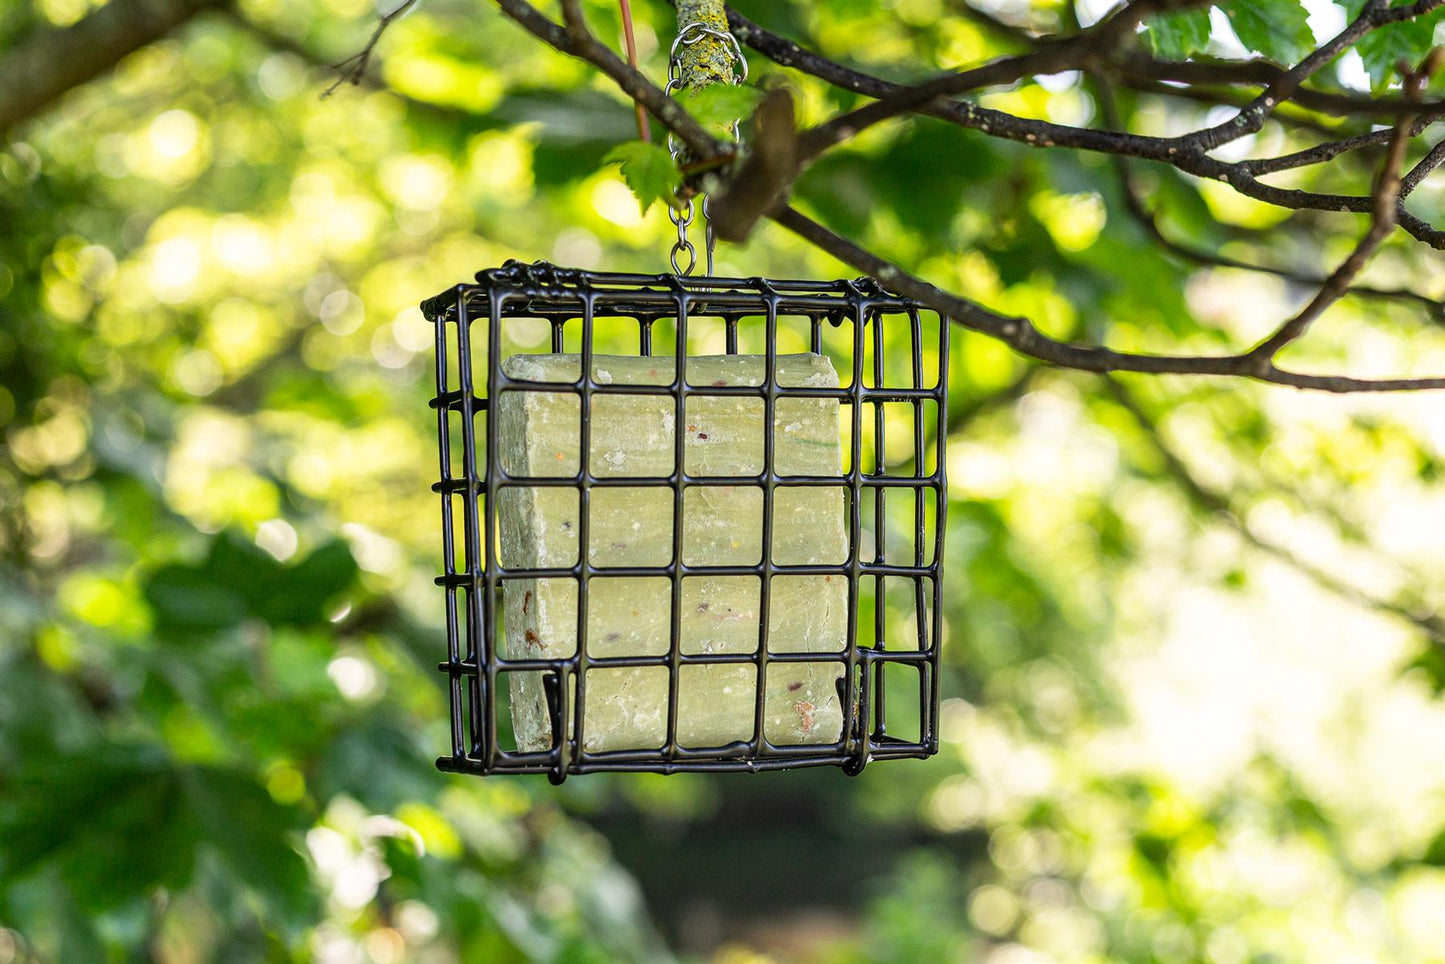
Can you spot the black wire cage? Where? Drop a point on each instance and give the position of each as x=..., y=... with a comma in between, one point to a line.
x=689, y=523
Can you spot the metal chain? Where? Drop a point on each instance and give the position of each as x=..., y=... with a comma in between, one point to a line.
x=710, y=233
x=682, y=244
x=682, y=217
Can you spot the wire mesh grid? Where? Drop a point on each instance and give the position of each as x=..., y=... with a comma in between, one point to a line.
x=520, y=704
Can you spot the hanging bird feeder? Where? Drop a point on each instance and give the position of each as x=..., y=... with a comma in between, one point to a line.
x=721, y=551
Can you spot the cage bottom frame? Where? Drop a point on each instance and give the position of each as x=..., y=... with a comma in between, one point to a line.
x=562, y=297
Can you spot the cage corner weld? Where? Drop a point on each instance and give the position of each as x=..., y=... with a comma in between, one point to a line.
x=688, y=523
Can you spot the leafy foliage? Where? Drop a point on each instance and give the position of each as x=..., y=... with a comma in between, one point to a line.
x=237, y=580
x=719, y=105
x=1179, y=34
x=1278, y=29
x=1385, y=49
x=648, y=170
x=219, y=705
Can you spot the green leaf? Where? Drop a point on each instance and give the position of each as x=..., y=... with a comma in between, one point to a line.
x=1278, y=29
x=379, y=762
x=250, y=831
x=239, y=564
x=238, y=580
x=936, y=162
x=719, y=105
x=1435, y=853
x=1431, y=666
x=301, y=593
x=1383, y=49
x=1177, y=35
x=113, y=819
x=649, y=170
x=186, y=599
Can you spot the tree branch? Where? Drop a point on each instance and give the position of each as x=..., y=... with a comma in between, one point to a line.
x=1146, y=219
x=632, y=82
x=1096, y=43
x=1290, y=115
x=368, y=79
x=353, y=68
x=1037, y=133
x=1262, y=73
x=1382, y=222
x=1375, y=14
x=46, y=63
x=1018, y=333
x=1021, y=334
x=1328, y=151
x=1386, y=207
x=1048, y=58
x=1422, y=170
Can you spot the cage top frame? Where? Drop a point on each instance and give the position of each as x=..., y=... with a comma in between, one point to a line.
x=545, y=291
x=651, y=296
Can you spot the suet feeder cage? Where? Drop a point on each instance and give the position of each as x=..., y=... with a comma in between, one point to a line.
x=689, y=523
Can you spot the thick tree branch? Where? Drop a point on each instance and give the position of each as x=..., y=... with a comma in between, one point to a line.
x=47, y=63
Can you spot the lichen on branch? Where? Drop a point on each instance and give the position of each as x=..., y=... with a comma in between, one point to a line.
x=708, y=59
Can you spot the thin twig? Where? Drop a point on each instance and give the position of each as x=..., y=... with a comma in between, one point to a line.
x=353, y=68
x=644, y=129
x=1374, y=15
x=1292, y=116
x=1262, y=73
x=1328, y=151
x=1146, y=219
x=1422, y=170
x=1382, y=222
x=1048, y=59
x=1044, y=134
x=1134, y=204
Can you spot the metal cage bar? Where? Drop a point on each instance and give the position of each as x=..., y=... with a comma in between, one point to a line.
x=571, y=300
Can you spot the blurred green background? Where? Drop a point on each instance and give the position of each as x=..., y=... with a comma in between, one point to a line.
x=1192, y=707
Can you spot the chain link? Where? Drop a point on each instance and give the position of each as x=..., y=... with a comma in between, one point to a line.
x=682, y=218
x=710, y=233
